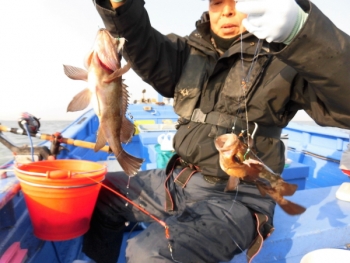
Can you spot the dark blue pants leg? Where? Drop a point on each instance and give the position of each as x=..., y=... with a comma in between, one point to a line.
x=208, y=225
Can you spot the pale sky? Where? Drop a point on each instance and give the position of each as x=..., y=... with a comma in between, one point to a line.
x=39, y=36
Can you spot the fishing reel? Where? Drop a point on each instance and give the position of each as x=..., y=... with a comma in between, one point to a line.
x=29, y=126
x=29, y=123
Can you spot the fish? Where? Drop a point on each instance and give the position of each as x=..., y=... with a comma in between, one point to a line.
x=241, y=163
x=109, y=96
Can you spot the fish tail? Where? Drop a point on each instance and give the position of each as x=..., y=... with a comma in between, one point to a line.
x=287, y=206
x=291, y=208
x=130, y=164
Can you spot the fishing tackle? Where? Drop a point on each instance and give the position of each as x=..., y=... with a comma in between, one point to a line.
x=250, y=138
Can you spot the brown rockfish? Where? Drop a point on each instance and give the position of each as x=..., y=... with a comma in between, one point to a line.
x=108, y=95
x=239, y=162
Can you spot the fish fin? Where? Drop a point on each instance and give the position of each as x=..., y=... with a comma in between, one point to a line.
x=80, y=101
x=100, y=140
x=88, y=59
x=125, y=98
x=75, y=73
x=254, y=163
x=127, y=130
x=117, y=73
x=130, y=164
x=285, y=189
x=231, y=184
x=291, y=208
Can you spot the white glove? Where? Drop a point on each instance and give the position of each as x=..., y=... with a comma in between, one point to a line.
x=273, y=20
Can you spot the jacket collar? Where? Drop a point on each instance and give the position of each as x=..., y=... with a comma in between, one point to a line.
x=201, y=39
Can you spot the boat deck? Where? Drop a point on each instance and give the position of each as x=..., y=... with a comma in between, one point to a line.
x=325, y=224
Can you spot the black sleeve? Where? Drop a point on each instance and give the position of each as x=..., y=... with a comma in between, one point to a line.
x=320, y=54
x=156, y=58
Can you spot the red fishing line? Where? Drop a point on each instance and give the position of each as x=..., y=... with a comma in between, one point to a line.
x=162, y=223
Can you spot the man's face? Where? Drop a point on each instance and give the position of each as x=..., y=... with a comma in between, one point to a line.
x=225, y=21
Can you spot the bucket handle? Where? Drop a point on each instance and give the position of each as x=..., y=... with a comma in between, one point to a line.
x=58, y=174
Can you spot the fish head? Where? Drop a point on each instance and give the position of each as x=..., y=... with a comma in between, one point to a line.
x=231, y=152
x=105, y=52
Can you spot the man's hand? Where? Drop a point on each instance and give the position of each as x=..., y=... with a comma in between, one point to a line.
x=273, y=20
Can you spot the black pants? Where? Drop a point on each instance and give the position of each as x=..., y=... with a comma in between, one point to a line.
x=208, y=225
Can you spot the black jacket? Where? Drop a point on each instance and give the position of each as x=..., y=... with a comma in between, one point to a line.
x=311, y=74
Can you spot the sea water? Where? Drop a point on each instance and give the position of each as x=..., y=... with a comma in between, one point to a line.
x=46, y=127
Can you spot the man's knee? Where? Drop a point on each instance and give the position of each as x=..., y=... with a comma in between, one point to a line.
x=150, y=245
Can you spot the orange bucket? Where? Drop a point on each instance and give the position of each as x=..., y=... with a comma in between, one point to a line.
x=60, y=196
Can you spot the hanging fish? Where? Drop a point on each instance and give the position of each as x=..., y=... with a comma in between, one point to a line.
x=239, y=162
x=109, y=97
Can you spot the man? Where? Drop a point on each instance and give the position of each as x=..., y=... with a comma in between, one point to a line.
x=290, y=58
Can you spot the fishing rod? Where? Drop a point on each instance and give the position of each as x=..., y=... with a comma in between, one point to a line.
x=54, y=137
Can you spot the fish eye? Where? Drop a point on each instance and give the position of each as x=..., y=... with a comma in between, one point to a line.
x=215, y=2
x=236, y=159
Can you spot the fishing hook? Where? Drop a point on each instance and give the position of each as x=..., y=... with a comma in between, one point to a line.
x=252, y=137
x=255, y=129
